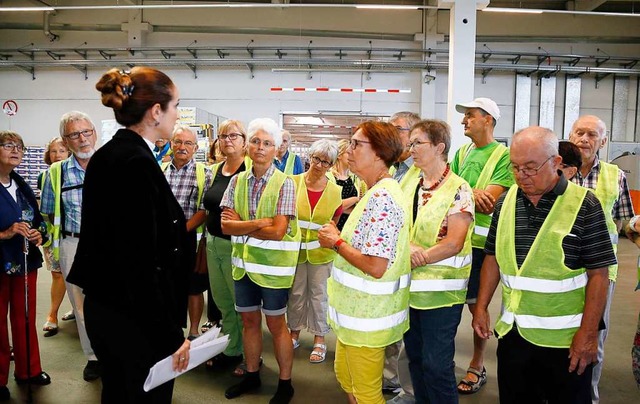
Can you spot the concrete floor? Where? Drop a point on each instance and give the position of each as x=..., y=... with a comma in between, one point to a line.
x=62, y=358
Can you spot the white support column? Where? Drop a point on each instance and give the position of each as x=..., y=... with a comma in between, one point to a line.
x=462, y=49
x=430, y=39
x=136, y=29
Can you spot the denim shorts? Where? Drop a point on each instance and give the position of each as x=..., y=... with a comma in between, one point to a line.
x=252, y=297
x=474, y=277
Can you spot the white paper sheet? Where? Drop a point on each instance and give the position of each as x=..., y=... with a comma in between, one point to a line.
x=202, y=348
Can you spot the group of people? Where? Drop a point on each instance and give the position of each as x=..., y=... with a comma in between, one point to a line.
x=382, y=240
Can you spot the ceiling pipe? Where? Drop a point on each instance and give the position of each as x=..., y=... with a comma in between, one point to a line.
x=47, y=27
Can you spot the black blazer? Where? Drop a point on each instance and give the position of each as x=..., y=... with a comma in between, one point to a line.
x=131, y=253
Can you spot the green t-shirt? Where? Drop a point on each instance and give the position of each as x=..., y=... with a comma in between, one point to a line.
x=475, y=161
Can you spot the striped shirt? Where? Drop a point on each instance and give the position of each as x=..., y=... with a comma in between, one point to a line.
x=623, y=207
x=72, y=177
x=286, y=200
x=589, y=247
x=184, y=185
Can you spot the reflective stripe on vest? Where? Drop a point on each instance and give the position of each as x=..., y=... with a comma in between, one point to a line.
x=269, y=263
x=358, y=314
x=550, y=323
x=443, y=283
x=481, y=231
x=608, y=192
x=311, y=221
x=543, y=296
x=363, y=285
x=368, y=324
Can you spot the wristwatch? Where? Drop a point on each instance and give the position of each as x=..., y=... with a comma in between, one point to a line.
x=337, y=245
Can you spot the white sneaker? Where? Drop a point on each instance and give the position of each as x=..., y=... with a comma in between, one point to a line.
x=402, y=398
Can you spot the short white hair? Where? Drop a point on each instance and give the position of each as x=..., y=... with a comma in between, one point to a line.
x=182, y=128
x=326, y=147
x=72, y=117
x=267, y=125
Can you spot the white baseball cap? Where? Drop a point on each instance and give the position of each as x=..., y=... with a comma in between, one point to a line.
x=486, y=104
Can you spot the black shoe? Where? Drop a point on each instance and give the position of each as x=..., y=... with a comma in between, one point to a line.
x=4, y=393
x=247, y=385
x=92, y=371
x=40, y=380
x=283, y=395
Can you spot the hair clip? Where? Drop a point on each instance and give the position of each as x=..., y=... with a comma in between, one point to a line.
x=125, y=72
x=128, y=90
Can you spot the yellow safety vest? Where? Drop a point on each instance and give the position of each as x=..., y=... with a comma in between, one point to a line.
x=443, y=283
x=363, y=310
x=483, y=220
x=608, y=191
x=269, y=263
x=311, y=222
x=544, y=297
x=55, y=176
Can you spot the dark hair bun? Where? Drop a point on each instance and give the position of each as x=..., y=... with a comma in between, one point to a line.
x=116, y=87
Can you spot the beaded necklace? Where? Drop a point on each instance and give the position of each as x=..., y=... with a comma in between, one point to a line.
x=435, y=184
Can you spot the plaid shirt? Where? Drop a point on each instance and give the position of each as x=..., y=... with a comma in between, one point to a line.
x=72, y=175
x=286, y=200
x=623, y=208
x=184, y=185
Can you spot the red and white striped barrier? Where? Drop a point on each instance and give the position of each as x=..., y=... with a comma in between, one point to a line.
x=341, y=90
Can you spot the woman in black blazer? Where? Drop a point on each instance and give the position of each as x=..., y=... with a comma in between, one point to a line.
x=131, y=255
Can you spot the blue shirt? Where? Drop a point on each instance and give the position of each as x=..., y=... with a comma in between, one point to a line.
x=298, y=168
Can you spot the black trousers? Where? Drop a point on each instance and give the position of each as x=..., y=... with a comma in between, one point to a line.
x=528, y=373
x=126, y=352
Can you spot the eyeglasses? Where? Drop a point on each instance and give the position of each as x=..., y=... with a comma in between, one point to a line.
x=416, y=143
x=323, y=163
x=230, y=136
x=353, y=143
x=179, y=143
x=14, y=146
x=400, y=128
x=266, y=143
x=75, y=135
x=529, y=172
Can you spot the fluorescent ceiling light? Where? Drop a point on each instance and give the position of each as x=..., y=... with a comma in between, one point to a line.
x=27, y=9
x=513, y=10
x=385, y=7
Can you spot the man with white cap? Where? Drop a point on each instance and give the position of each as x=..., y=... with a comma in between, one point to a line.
x=484, y=164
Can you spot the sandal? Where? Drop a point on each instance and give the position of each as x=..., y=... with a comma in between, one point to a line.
x=70, y=315
x=241, y=370
x=474, y=387
x=320, y=352
x=207, y=326
x=295, y=343
x=50, y=329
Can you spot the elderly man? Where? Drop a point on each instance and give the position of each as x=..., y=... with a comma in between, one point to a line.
x=609, y=184
x=259, y=212
x=549, y=249
x=62, y=202
x=396, y=376
x=484, y=164
x=188, y=181
x=286, y=161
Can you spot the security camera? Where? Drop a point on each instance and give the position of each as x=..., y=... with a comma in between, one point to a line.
x=428, y=78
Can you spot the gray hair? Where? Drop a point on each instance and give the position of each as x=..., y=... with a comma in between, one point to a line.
x=411, y=117
x=326, y=147
x=181, y=128
x=545, y=136
x=267, y=125
x=286, y=133
x=72, y=117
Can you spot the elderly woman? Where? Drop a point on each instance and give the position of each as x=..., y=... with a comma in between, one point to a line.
x=442, y=210
x=352, y=187
x=369, y=285
x=20, y=220
x=131, y=259
x=232, y=140
x=259, y=212
x=56, y=150
x=318, y=202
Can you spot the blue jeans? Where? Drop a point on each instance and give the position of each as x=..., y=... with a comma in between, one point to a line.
x=430, y=346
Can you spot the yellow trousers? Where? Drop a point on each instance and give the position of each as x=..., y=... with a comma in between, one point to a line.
x=359, y=372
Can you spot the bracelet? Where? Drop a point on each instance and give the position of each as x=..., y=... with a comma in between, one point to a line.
x=632, y=223
x=337, y=245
